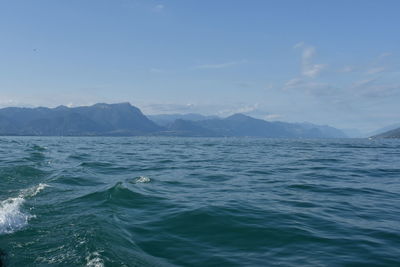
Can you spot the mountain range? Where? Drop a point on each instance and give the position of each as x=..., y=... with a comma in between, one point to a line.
x=123, y=119
x=384, y=130
x=395, y=133
x=165, y=119
x=242, y=125
x=100, y=119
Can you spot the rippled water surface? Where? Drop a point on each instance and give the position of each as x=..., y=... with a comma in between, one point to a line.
x=199, y=202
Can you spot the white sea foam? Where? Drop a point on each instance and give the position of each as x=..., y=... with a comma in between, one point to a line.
x=143, y=179
x=33, y=191
x=12, y=218
x=94, y=260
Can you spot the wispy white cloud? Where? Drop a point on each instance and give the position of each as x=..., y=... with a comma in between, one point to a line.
x=273, y=117
x=7, y=102
x=374, y=88
x=310, y=87
x=362, y=83
x=308, y=68
x=384, y=55
x=375, y=70
x=313, y=70
x=379, y=64
x=293, y=83
x=367, y=88
x=247, y=108
x=376, y=65
x=369, y=85
x=381, y=90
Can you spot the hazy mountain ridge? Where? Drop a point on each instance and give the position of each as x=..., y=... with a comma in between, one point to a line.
x=165, y=119
x=384, y=130
x=242, y=125
x=99, y=119
x=389, y=134
x=123, y=119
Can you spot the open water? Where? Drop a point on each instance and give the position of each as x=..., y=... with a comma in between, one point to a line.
x=73, y=201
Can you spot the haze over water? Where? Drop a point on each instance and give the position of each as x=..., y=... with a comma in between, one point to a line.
x=159, y=201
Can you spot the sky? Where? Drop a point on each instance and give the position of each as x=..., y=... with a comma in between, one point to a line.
x=327, y=62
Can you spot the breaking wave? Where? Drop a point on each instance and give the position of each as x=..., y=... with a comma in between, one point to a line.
x=12, y=217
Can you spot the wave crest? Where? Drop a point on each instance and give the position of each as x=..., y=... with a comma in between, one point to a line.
x=94, y=260
x=12, y=218
x=142, y=179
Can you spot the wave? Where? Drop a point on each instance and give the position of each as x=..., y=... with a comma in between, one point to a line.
x=141, y=179
x=94, y=260
x=12, y=218
x=33, y=191
x=38, y=148
x=117, y=194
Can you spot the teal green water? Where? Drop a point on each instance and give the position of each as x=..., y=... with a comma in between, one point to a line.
x=199, y=202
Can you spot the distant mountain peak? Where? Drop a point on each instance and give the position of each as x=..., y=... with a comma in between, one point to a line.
x=61, y=107
x=122, y=104
x=239, y=116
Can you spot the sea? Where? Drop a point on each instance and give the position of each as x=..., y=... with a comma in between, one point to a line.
x=168, y=201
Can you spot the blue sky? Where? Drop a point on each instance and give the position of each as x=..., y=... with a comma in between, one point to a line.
x=327, y=62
